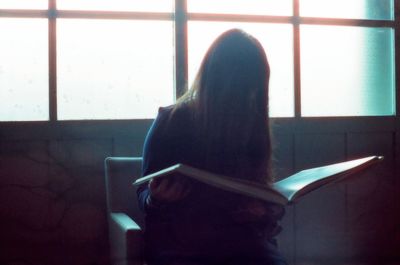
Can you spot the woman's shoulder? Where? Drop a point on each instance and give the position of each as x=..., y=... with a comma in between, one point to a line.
x=172, y=121
x=165, y=110
x=164, y=114
x=173, y=114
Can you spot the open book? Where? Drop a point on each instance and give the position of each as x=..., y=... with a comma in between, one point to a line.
x=283, y=192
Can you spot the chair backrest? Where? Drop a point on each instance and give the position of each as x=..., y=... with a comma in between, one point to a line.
x=121, y=194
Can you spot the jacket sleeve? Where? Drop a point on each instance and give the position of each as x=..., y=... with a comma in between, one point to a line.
x=154, y=157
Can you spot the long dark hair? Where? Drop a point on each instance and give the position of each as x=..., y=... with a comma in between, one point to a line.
x=229, y=100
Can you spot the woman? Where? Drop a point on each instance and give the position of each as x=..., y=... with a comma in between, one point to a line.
x=220, y=125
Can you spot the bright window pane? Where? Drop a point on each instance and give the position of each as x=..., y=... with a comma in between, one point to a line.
x=114, y=69
x=347, y=71
x=359, y=9
x=24, y=4
x=250, y=7
x=277, y=42
x=117, y=5
x=23, y=70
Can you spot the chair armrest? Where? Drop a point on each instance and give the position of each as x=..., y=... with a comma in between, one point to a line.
x=126, y=239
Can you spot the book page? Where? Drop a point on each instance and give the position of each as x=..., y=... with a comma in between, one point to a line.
x=307, y=180
x=247, y=188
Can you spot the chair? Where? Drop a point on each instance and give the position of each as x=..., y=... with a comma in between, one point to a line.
x=125, y=220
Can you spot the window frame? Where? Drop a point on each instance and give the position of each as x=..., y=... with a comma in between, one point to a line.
x=180, y=17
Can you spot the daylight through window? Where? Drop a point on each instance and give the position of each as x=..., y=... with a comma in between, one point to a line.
x=122, y=59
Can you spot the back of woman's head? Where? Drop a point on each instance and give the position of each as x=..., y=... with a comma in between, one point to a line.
x=233, y=77
x=229, y=99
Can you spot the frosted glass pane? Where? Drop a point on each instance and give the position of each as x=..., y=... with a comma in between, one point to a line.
x=114, y=69
x=277, y=40
x=117, y=5
x=359, y=9
x=24, y=4
x=253, y=7
x=347, y=71
x=24, y=70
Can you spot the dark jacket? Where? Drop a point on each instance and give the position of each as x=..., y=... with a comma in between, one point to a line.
x=203, y=225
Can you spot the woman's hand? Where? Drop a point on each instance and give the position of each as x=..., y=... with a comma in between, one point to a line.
x=168, y=190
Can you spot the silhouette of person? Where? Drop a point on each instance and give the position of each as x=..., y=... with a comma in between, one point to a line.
x=221, y=125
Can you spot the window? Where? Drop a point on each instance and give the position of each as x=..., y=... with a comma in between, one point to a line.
x=327, y=57
x=83, y=59
x=24, y=70
x=277, y=41
x=346, y=71
x=108, y=59
x=108, y=68
x=347, y=66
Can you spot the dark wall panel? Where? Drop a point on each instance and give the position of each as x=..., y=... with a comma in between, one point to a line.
x=52, y=201
x=313, y=149
x=319, y=222
x=52, y=194
x=373, y=219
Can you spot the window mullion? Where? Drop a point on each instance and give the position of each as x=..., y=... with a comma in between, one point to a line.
x=296, y=59
x=181, y=48
x=52, y=61
x=129, y=15
x=346, y=22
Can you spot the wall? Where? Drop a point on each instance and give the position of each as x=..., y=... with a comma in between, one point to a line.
x=52, y=193
x=52, y=200
x=352, y=222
